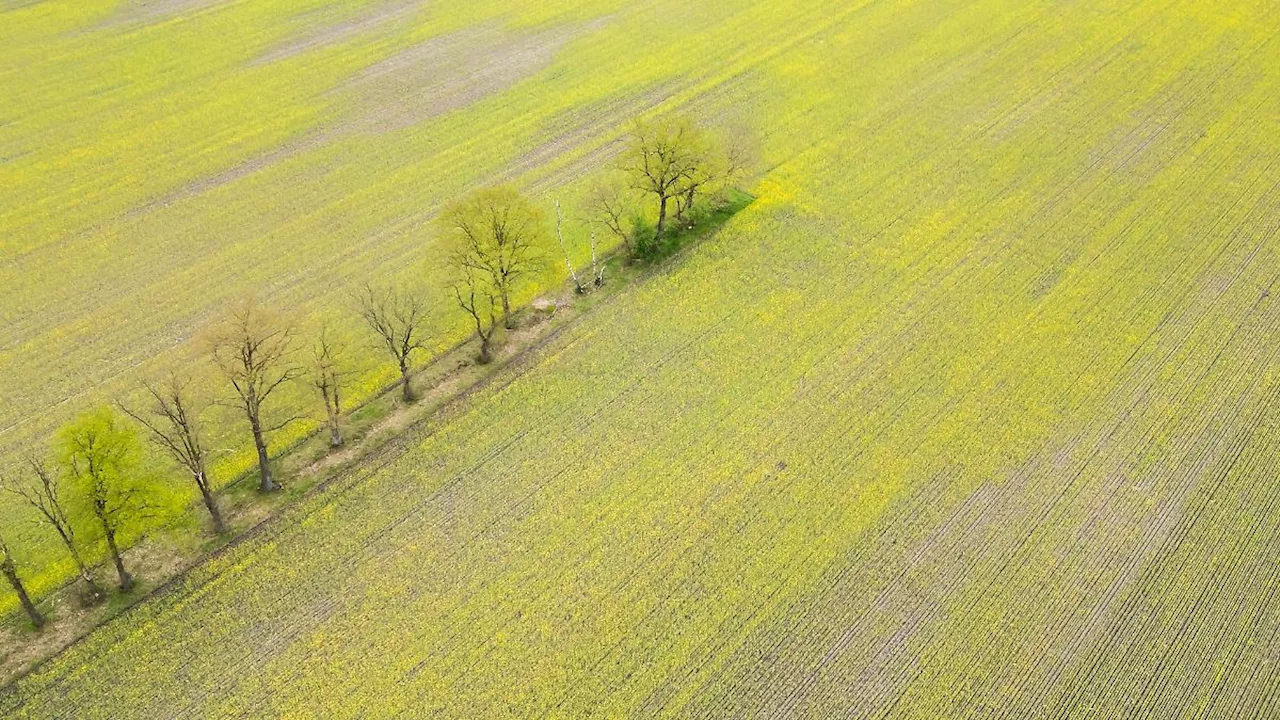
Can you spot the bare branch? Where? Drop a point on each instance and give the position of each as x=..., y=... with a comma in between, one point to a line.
x=254, y=349
x=476, y=298
x=498, y=233
x=665, y=158
x=399, y=321
x=327, y=378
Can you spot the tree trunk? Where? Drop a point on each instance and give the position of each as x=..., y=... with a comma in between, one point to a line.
x=211, y=503
x=407, y=389
x=662, y=218
x=596, y=269
x=266, y=484
x=688, y=200
x=126, y=580
x=485, y=356
x=335, y=431
x=11, y=573
x=335, y=418
x=506, y=310
x=577, y=284
x=94, y=593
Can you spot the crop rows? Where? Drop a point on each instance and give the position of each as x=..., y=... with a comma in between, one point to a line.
x=283, y=185
x=972, y=413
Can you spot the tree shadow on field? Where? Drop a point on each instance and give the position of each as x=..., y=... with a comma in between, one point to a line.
x=701, y=224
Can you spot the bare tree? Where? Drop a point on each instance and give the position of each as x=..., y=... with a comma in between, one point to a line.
x=479, y=300
x=741, y=151
x=609, y=204
x=10, y=570
x=398, y=319
x=564, y=249
x=173, y=424
x=597, y=267
x=662, y=158
x=327, y=377
x=498, y=233
x=45, y=496
x=100, y=454
x=254, y=350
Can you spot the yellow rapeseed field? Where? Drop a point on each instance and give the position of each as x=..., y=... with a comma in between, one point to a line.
x=972, y=413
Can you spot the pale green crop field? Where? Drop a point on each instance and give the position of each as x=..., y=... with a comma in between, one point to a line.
x=973, y=413
x=163, y=160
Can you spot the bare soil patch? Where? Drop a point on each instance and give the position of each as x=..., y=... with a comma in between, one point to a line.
x=146, y=12
x=371, y=20
x=448, y=73
x=425, y=81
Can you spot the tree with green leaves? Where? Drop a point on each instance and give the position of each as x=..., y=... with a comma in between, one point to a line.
x=478, y=298
x=496, y=232
x=664, y=159
x=673, y=160
x=611, y=205
x=100, y=454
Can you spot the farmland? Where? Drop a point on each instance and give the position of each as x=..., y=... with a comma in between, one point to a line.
x=155, y=174
x=973, y=412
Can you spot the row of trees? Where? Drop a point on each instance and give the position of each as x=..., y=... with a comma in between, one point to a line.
x=96, y=488
x=668, y=164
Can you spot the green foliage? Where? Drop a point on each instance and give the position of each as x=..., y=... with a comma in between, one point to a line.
x=99, y=444
x=155, y=172
x=705, y=218
x=642, y=237
x=498, y=232
x=679, y=168
x=102, y=455
x=971, y=413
